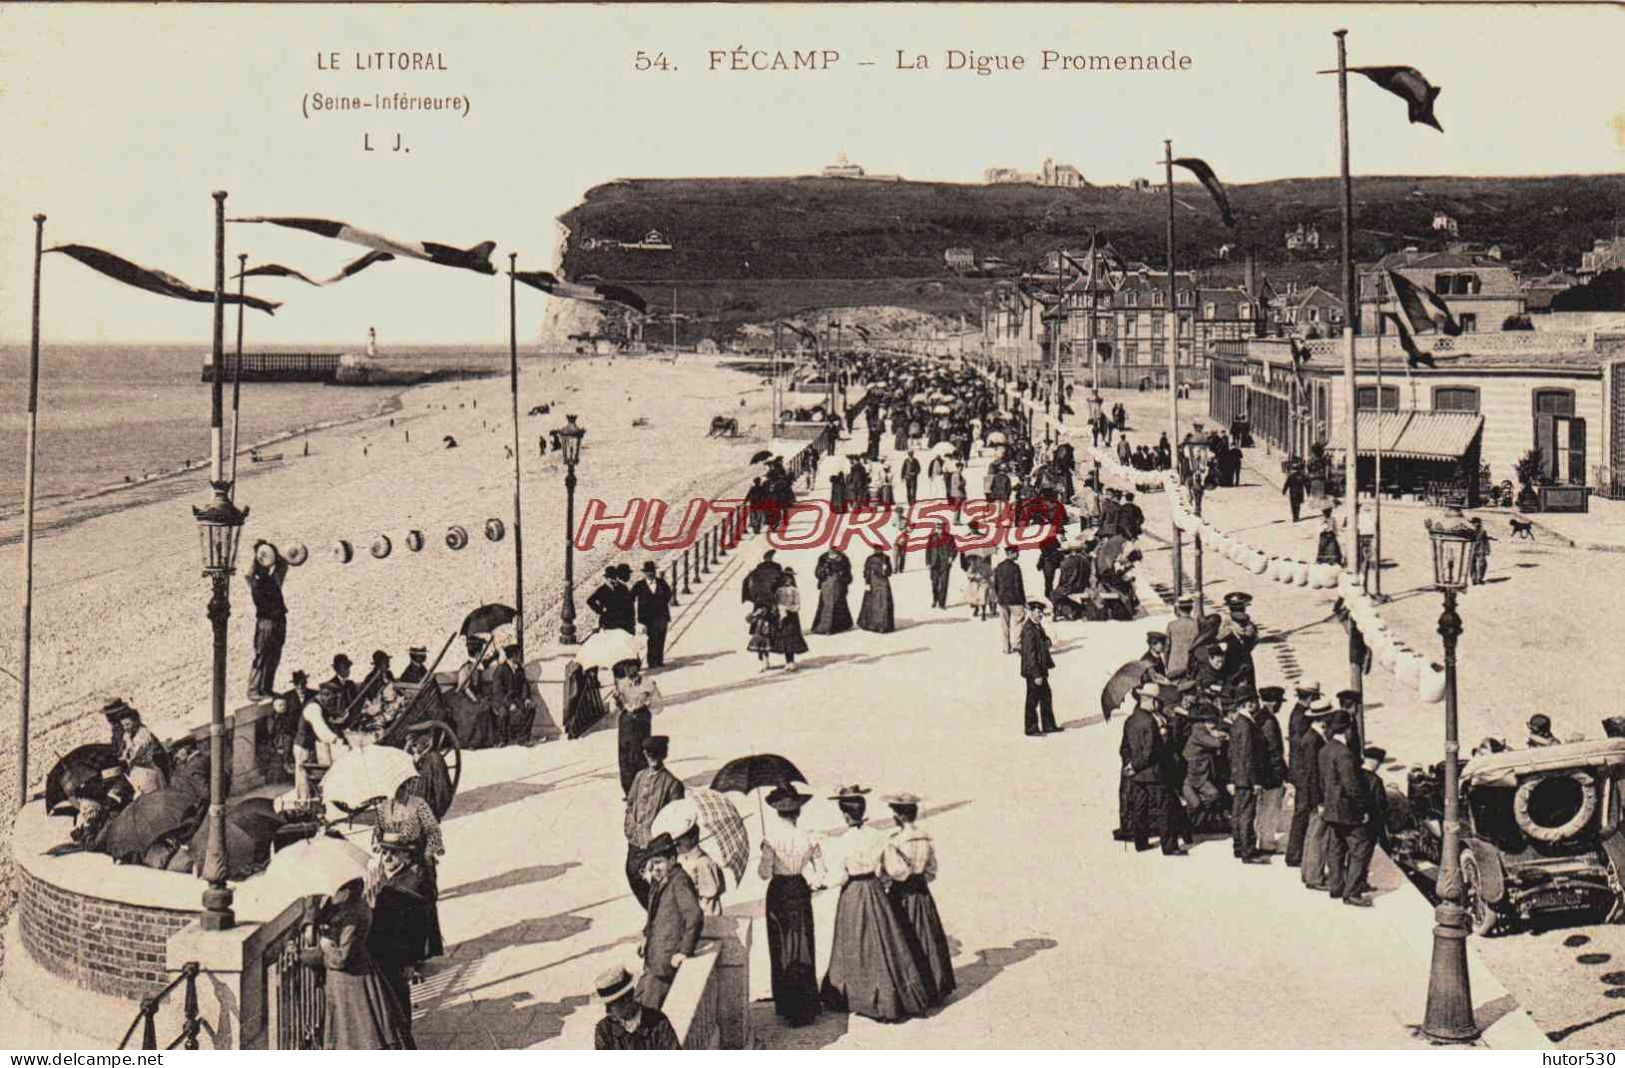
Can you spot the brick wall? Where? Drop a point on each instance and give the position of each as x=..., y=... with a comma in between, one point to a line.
x=106, y=946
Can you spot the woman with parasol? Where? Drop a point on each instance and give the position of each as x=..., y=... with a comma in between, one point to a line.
x=403, y=888
x=873, y=967
x=362, y=1011
x=788, y=853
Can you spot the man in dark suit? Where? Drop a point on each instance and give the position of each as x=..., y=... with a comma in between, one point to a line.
x=417, y=668
x=760, y=588
x=1298, y=719
x=612, y=602
x=1346, y=812
x=1149, y=767
x=344, y=690
x=1305, y=771
x=911, y=477
x=939, y=560
x=652, y=597
x=1248, y=776
x=1273, y=794
x=672, y=931
x=1011, y=597
x=510, y=695
x=1036, y=663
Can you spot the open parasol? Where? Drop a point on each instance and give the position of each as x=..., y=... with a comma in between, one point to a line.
x=608, y=648
x=941, y=409
x=80, y=766
x=997, y=438
x=246, y=849
x=147, y=819
x=315, y=866
x=1120, y=685
x=944, y=448
x=744, y=774
x=761, y=456
x=487, y=618
x=362, y=775
x=719, y=822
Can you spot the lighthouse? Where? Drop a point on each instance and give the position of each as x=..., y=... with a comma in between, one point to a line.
x=372, y=341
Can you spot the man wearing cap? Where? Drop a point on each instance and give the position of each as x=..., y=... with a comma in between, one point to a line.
x=1349, y=701
x=652, y=599
x=1540, y=731
x=1346, y=814
x=1011, y=596
x=1305, y=777
x=627, y=1024
x=1182, y=633
x=672, y=931
x=1036, y=663
x=1249, y=776
x=1272, y=794
x=1148, y=764
x=1240, y=634
x=652, y=789
x=1213, y=670
x=418, y=667
x=270, y=618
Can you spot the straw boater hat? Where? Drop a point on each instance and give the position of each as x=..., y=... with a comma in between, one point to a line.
x=1308, y=689
x=1319, y=708
x=903, y=799
x=117, y=708
x=612, y=985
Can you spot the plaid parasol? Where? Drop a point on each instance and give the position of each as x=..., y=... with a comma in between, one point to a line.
x=723, y=823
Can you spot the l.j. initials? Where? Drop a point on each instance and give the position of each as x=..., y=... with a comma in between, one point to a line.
x=366, y=144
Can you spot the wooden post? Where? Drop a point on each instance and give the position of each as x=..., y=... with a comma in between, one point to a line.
x=1351, y=310
x=27, y=635
x=518, y=515
x=1172, y=352
x=237, y=370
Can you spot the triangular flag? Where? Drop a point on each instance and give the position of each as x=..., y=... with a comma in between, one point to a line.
x=1408, y=84
x=1414, y=357
x=276, y=270
x=596, y=292
x=1210, y=182
x=1425, y=310
x=477, y=259
x=153, y=281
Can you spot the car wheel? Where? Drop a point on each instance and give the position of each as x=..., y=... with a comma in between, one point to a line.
x=1481, y=915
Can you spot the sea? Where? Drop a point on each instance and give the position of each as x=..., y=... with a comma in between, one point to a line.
x=113, y=415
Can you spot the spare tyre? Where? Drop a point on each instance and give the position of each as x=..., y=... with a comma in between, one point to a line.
x=1555, y=806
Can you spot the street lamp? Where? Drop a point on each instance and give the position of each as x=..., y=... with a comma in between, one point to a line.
x=569, y=437
x=220, y=525
x=1449, y=1015
x=1195, y=454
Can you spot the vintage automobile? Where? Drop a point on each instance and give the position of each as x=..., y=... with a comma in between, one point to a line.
x=1540, y=832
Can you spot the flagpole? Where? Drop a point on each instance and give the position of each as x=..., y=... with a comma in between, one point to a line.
x=237, y=368
x=518, y=516
x=1172, y=352
x=216, y=455
x=1351, y=306
x=28, y=526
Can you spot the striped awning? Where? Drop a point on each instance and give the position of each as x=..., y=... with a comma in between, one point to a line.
x=1414, y=435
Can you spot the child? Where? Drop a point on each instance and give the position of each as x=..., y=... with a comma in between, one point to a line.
x=761, y=635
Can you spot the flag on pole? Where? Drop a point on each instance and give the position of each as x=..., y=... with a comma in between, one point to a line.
x=1408, y=84
x=477, y=259
x=801, y=330
x=153, y=281
x=1103, y=350
x=1414, y=357
x=595, y=292
x=1425, y=310
x=861, y=331
x=1210, y=182
x=276, y=270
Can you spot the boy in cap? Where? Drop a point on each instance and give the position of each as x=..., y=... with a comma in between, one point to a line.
x=652, y=789
x=1376, y=797
x=627, y=1024
x=1036, y=663
x=672, y=931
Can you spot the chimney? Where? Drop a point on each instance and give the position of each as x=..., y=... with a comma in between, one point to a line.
x=1250, y=275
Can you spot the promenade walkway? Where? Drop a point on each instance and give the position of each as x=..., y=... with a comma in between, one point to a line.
x=1061, y=936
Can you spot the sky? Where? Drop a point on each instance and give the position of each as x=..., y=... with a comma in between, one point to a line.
x=119, y=121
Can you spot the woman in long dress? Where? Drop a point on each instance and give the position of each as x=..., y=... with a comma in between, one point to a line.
x=873, y=967
x=637, y=700
x=362, y=1012
x=141, y=754
x=911, y=865
x=788, y=854
x=979, y=583
x=834, y=575
x=878, y=613
x=837, y=493
x=403, y=887
x=791, y=642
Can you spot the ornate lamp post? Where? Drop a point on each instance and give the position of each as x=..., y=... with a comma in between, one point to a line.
x=219, y=527
x=1449, y=1015
x=569, y=437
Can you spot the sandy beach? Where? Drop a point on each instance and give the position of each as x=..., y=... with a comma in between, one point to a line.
x=119, y=600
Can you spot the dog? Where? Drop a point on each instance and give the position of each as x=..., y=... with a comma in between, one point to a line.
x=1522, y=528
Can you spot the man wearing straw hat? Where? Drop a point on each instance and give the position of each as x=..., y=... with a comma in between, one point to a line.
x=1149, y=765
x=627, y=1024
x=270, y=619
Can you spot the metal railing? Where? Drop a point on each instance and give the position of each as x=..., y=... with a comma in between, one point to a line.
x=146, y=1018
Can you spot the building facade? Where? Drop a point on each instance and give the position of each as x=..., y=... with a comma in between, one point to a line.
x=1307, y=312
x=1481, y=293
